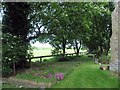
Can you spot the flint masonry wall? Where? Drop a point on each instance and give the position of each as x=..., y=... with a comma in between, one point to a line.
x=115, y=40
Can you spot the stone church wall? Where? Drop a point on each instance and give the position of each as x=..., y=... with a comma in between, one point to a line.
x=115, y=39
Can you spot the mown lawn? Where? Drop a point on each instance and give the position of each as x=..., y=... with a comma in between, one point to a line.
x=88, y=75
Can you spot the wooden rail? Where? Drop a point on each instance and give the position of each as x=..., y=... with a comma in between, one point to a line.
x=48, y=56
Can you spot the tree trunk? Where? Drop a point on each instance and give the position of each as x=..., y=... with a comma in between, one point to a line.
x=14, y=68
x=77, y=47
x=63, y=45
x=74, y=50
x=77, y=52
x=101, y=49
x=30, y=63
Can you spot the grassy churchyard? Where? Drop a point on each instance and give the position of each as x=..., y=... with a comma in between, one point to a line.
x=79, y=72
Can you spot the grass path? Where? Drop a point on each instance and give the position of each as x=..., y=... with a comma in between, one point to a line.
x=88, y=75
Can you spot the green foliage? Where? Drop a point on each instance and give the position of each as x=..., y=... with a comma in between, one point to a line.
x=6, y=70
x=30, y=51
x=56, y=51
x=10, y=47
x=11, y=53
x=98, y=28
x=104, y=59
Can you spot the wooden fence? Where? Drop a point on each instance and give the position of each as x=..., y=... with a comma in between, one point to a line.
x=40, y=57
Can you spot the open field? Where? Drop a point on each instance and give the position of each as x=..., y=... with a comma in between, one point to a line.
x=46, y=51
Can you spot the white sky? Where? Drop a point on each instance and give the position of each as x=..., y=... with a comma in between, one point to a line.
x=41, y=45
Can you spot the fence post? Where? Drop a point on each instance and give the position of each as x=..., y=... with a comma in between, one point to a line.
x=40, y=59
x=30, y=62
x=14, y=68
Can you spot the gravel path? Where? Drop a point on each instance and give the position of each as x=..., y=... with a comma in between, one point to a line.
x=26, y=83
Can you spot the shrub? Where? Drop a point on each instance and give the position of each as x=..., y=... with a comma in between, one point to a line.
x=104, y=59
x=59, y=76
x=62, y=59
x=13, y=51
x=6, y=70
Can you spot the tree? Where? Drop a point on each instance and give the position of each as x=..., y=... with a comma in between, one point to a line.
x=15, y=30
x=61, y=28
x=99, y=33
x=76, y=13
